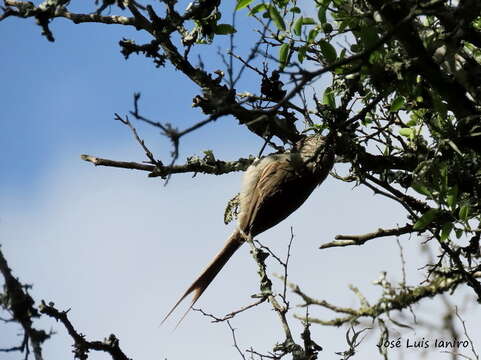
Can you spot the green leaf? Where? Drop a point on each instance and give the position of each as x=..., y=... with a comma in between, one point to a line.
x=308, y=21
x=439, y=106
x=298, y=26
x=411, y=122
x=443, y=173
x=257, y=8
x=397, y=104
x=242, y=4
x=343, y=24
x=277, y=18
x=328, y=51
x=376, y=58
x=369, y=36
x=295, y=10
x=356, y=48
x=416, y=116
x=464, y=212
x=283, y=54
x=367, y=120
x=224, y=29
x=459, y=232
x=422, y=189
x=312, y=35
x=321, y=14
x=426, y=219
x=282, y=3
x=328, y=98
x=301, y=53
x=407, y=132
x=452, y=196
x=455, y=147
x=445, y=231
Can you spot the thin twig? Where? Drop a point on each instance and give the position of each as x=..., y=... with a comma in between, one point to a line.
x=235, y=341
x=148, y=153
x=473, y=350
x=230, y=315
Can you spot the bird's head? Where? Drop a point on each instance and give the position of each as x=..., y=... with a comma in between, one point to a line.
x=318, y=152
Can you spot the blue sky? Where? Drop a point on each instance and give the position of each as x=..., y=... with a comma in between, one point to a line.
x=117, y=247
x=65, y=93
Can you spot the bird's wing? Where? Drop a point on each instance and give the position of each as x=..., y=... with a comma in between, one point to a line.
x=268, y=181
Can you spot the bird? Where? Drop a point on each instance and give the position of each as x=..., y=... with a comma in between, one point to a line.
x=272, y=188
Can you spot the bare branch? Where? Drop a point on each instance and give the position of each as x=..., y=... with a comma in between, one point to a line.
x=110, y=345
x=235, y=341
x=473, y=350
x=347, y=240
x=119, y=164
x=76, y=18
x=194, y=165
x=230, y=315
x=21, y=306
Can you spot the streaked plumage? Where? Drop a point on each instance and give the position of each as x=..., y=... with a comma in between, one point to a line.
x=272, y=189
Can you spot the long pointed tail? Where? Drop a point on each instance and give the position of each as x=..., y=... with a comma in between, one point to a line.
x=210, y=272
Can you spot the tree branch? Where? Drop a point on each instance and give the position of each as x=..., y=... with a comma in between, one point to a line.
x=402, y=299
x=206, y=165
x=347, y=240
x=20, y=304
x=110, y=345
x=26, y=9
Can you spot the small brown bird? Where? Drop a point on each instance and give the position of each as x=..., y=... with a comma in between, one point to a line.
x=272, y=189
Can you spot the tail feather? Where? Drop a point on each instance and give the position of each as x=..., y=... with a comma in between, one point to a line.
x=210, y=272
